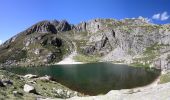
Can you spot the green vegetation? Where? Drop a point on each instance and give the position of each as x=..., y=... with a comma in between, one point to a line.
x=152, y=49
x=80, y=44
x=44, y=88
x=84, y=58
x=138, y=64
x=17, y=52
x=118, y=61
x=165, y=78
x=149, y=55
x=15, y=55
x=130, y=52
x=6, y=93
x=127, y=29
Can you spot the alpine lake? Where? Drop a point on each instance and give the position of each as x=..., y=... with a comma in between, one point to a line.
x=94, y=78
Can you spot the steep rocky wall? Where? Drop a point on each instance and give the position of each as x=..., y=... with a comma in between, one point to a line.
x=127, y=41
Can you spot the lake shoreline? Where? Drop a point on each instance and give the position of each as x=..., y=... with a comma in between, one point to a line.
x=118, y=72
x=148, y=91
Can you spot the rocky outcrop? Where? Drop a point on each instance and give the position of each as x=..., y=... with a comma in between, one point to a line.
x=64, y=26
x=42, y=27
x=60, y=93
x=91, y=26
x=49, y=27
x=127, y=39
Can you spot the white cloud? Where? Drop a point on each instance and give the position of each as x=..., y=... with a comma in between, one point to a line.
x=164, y=16
x=161, y=16
x=0, y=42
x=156, y=16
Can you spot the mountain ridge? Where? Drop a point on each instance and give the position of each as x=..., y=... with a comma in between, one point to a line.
x=131, y=41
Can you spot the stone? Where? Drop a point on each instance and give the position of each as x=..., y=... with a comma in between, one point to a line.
x=7, y=82
x=29, y=89
x=30, y=76
x=46, y=78
x=16, y=93
x=32, y=81
x=37, y=51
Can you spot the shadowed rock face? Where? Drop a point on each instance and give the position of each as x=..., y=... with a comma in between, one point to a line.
x=63, y=26
x=49, y=27
x=132, y=41
x=42, y=27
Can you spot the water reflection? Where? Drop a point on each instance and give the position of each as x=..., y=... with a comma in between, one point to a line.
x=94, y=78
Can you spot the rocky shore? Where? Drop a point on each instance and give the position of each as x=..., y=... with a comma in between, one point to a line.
x=31, y=87
x=34, y=87
x=152, y=92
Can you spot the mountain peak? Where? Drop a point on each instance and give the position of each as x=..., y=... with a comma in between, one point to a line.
x=42, y=27
x=63, y=26
x=49, y=27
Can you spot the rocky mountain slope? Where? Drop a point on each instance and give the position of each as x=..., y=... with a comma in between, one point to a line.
x=131, y=41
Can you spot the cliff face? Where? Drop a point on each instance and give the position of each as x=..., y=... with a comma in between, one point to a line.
x=132, y=41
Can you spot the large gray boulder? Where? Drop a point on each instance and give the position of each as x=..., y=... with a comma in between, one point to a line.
x=29, y=89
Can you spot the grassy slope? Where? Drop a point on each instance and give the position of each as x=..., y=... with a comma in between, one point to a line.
x=17, y=51
x=165, y=78
x=43, y=88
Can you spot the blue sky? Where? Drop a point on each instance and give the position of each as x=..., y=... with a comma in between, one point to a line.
x=17, y=15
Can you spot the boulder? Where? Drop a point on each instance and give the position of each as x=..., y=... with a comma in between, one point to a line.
x=30, y=76
x=32, y=81
x=16, y=93
x=29, y=89
x=7, y=82
x=46, y=78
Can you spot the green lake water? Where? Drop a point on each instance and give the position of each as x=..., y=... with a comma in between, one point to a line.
x=94, y=78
